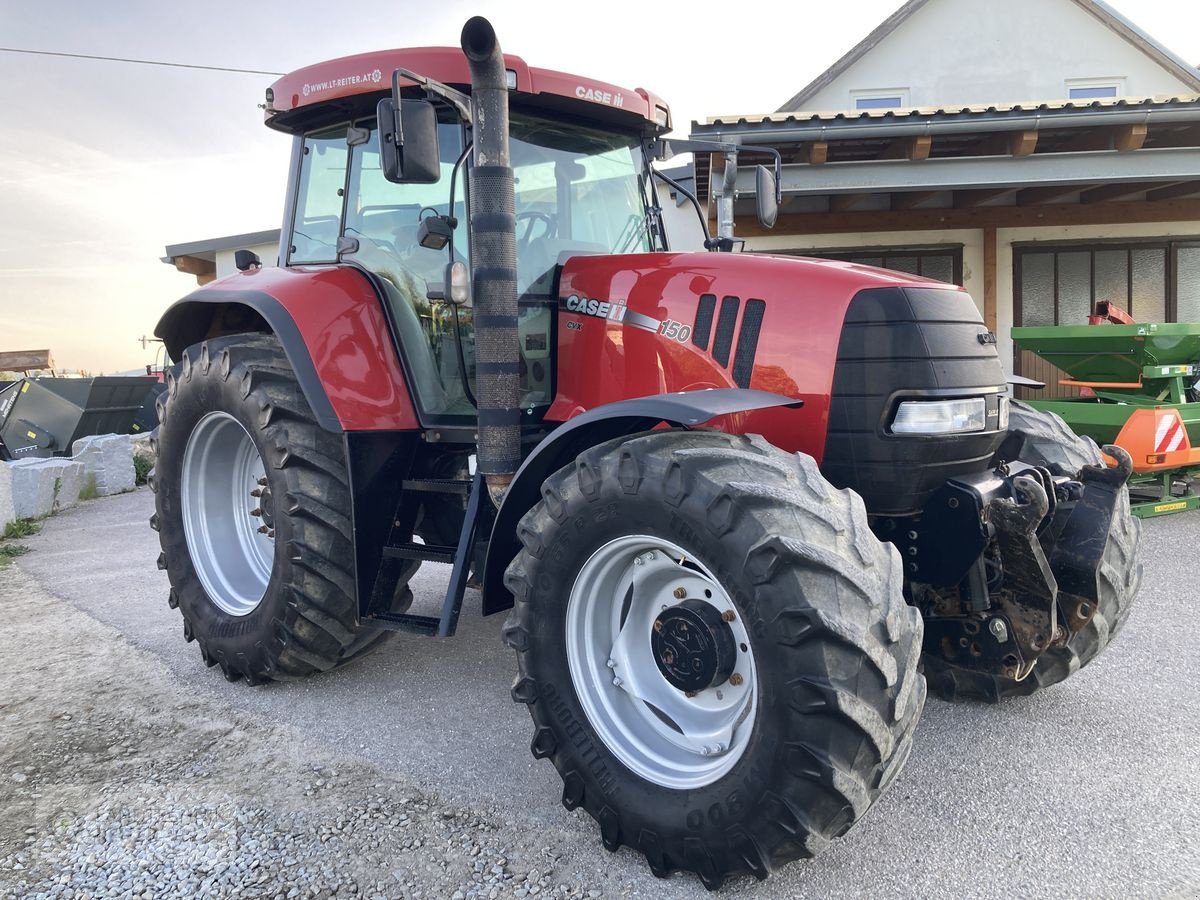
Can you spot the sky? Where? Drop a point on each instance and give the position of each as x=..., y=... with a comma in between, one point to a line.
x=103, y=164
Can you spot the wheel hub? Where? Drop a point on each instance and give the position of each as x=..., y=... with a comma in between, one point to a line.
x=693, y=646
x=266, y=506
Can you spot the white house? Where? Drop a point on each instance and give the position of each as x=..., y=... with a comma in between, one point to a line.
x=1045, y=153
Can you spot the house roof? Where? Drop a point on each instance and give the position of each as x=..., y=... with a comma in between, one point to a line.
x=207, y=249
x=1108, y=16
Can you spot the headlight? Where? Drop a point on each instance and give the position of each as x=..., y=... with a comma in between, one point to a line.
x=940, y=416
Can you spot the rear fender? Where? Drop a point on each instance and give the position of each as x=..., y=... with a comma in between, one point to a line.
x=332, y=326
x=687, y=409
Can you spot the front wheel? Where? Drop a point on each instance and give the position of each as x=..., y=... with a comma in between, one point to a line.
x=715, y=650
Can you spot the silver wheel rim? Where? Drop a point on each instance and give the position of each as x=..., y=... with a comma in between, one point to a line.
x=693, y=739
x=222, y=515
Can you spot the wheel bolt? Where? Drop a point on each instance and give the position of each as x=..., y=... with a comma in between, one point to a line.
x=680, y=593
x=735, y=679
x=690, y=694
x=728, y=616
x=611, y=664
x=263, y=481
x=257, y=492
x=657, y=625
x=263, y=529
x=617, y=681
x=256, y=512
x=706, y=750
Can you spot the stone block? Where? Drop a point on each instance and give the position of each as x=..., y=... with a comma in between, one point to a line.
x=8, y=509
x=43, y=486
x=109, y=459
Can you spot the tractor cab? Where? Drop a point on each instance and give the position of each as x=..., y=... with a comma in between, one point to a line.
x=581, y=186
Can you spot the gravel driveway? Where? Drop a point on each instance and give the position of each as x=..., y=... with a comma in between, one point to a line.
x=129, y=769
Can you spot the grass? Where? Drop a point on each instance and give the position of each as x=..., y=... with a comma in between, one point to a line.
x=20, y=529
x=89, y=491
x=9, y=552
x=141, y=469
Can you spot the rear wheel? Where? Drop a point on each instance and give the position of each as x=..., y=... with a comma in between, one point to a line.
x=715, y=650
x=252, y=508
x=1044, y=439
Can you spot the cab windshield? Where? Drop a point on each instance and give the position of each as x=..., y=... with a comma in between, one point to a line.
x=577, y=190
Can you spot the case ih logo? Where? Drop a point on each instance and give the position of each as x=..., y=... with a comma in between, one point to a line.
x=366, y=78
x=617, y=311
x=598, y=96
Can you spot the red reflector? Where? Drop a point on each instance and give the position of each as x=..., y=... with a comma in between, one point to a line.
x=1156, y=458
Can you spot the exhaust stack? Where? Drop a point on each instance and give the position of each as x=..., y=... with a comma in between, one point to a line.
x=494, y=263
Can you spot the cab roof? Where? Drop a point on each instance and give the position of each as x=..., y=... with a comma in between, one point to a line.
x=302, y=98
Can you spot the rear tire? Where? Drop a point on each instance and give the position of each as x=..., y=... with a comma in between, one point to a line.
x=263, y=607
x=1044, y=439
x=827, y=644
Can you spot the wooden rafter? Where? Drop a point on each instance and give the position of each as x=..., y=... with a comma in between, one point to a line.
x=1174, y=191
x=1047, y=194
x=840, y=203
x=909, y=148
x=972, y=199
x=912, y=199
x=1022, y=143
x=194, y=265
x=818, y=153
x=1130, y=137
x=1118, y=191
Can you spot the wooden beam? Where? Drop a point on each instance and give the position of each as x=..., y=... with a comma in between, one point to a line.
x=1130, y=137
x=989, y=277
x=1118, y=191
x=194, y=265
x=818, y=153
x=915, y=148
x=1174, y=192
x=840, y=203
x=972, y=199
x=1022, y=143
x=1066, y=214
x=1047, y=194
x=25, y=360
x=912, y=199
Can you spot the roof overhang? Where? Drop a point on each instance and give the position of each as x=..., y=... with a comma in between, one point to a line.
x=1143, y=150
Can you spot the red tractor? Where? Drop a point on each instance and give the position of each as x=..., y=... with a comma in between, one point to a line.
x=741, y=507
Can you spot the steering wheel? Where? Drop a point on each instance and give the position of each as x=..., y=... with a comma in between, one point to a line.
x=533, y=216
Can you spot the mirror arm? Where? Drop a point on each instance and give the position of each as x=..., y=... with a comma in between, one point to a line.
x=460, y=101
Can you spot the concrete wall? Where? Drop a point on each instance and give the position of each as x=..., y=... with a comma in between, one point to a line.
x=961, y=52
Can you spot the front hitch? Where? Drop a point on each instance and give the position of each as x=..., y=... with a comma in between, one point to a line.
x=1079, y=541
x=1030, y=579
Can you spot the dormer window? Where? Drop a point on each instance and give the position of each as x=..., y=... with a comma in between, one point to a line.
x=1095, y=88
x=888, y=98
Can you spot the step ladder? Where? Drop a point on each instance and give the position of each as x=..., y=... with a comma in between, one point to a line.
x=460, y=556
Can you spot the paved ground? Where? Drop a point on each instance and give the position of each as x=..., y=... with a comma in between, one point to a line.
x=1088, y=790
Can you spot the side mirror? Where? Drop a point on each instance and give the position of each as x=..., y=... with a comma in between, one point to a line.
x=766, y=196
x=408, y=142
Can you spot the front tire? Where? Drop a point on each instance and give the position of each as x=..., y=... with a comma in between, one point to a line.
x=750, y=546
x=252, y=506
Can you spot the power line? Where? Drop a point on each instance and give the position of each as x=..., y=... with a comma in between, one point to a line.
x=141, y=62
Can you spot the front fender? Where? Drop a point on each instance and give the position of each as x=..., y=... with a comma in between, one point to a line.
x=686, y=409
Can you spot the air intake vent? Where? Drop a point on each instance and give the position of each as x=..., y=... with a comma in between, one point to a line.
x=724, y=339
x=743, y=360
x=702, y=327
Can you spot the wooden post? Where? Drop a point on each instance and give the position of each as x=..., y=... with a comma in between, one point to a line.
x=989, y=277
